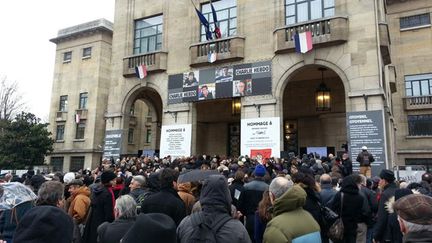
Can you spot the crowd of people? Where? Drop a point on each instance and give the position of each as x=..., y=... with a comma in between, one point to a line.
x=148, y=199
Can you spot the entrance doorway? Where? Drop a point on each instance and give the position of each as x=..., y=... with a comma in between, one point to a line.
x=306, y=123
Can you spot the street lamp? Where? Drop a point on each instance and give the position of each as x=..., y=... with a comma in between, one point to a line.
x=322, y=94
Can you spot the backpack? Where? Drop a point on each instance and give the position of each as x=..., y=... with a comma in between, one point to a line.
x=204, y=233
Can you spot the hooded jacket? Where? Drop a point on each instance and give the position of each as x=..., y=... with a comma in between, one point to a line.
x=184, y=191
x=44, y=224
x=79, y=205
x=215, y=199
x=286, y=226
x=380, y=228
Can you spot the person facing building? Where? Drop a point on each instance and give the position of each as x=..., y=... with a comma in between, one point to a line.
x=365, y=159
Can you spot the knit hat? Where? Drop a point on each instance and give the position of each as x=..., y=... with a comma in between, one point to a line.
x=107, y=176
x=399, y=193
x=68, y=177
x=415, y=208
x=76, y=182
x=387, y=175
x=152, y=227
x=260, y=170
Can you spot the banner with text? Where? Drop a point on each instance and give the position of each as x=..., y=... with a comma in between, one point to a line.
x=222, y=82
x=113, y=143
x=260, y=137
x=366, y=128
x=176, y=140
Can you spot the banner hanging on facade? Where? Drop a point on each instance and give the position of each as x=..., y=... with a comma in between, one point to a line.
x=260, y=137
x=222, y=82
x=366, y=128
x=176, y=140
x=113, y=143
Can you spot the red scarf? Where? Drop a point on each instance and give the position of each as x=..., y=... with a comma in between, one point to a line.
x=110, y=189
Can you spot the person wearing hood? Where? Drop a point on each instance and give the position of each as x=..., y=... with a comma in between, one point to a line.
x=47, y=222
x=185, y=193
x=151, y=228
x=349, y=203
x=215, y=203
x=388, y=185
x=291, y=223
x=102, y=206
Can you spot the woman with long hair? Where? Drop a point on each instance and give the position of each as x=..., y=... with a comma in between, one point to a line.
x=262, y=216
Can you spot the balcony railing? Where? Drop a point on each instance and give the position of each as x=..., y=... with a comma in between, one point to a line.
x=418, y=102
x=61, y=115
x=226, y=49
x=325, y=32
x=82, y=113
x=154, y=61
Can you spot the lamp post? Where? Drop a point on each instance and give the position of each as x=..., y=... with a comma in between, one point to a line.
x=322, y=94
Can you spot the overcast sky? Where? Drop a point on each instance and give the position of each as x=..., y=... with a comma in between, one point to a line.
x=26, y=55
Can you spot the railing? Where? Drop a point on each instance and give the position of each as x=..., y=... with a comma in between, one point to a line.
x=418, y=102
x=82, y=113
x=154, y=61
x=226, y=49
x=61, y=116
x=326, y=31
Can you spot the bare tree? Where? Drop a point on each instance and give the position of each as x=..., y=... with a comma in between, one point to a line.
x=11, y=102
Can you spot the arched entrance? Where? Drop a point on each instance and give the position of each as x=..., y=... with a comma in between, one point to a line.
x=306, y=126
x=142, y=123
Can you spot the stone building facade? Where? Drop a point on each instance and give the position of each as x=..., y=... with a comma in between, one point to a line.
x=352, y=56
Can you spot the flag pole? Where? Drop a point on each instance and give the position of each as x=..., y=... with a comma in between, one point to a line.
x=193, y=4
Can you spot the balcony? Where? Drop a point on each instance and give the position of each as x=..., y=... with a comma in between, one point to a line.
x=228, y=49
x=385, y=42
x=418, y=102
x=325, y=32
x=82, y=113
x=155, y=62
x=61, y=116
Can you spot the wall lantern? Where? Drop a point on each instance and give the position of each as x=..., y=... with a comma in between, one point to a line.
x=322, y=94
x=236, y=106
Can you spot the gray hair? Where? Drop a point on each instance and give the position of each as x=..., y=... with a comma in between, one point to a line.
x=412, y=227
x=126, y=206
x=279, y=186
x=363, y=179
x=50, y=193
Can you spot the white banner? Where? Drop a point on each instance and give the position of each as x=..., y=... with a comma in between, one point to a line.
x=260, y=137
x=176, y=140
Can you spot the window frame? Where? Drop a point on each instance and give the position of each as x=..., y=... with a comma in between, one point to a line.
x=412, y=80
x=131, y=137
x=57, y=160
x=84, y=55
x=80, y=130
x=63, y=103
x=309, y=13
x=76, y=159
x=57, y=132
x=409, y=25
x=417, y=130
x=157, y=45
x=83, y=105
x=209, y=17
x=67, y=57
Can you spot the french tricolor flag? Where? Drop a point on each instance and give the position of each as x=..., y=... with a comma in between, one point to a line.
x=141, y=71
x=303, y=42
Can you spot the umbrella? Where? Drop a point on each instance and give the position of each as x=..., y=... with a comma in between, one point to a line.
x=196, y=175
x=14, y=194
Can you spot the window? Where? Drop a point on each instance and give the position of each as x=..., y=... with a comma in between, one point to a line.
x=63, y=103
x=148, y=35
x=297, y=11
x=83, y=100
x=67, y=56
x=415, y=21
x=132, y=110
x=87, y=52
x=420, y=125
x=80, y=130
x=418, y=85
x=427, y=162
x=131, y=136
x=148, y=136
x=226, y=11
x=57, y=164
x=77, y=163
x=60, y=132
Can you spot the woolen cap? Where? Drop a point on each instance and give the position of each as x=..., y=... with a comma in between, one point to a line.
x=415, y=208
x=260, y=170
x=152, y=227
x=76, y=182
x=107, y=176
x=387, y=175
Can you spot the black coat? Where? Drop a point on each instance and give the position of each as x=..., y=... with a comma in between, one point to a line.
x=352, y=205
x=101, y=210
x=418, y=237
x=168, y=202
x=236, y=185
x=380, y=229
x=114, y=232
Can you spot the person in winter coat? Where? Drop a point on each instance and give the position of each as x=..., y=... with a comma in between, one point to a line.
x=381, y=233
x=137, y=190
x=393, y=224
x=10, y=218
x=184, y=191
x=236, y=187
x=337, y=169
x=351, y=209
x=47, y=222
x=415, y=218
x=347, y=164
x=215, y=202
x=79, y=201
x=167, y=200
x=291, y=223
x=125, y=214
x=365, y=159
x=101, y=207
x=327, y=192
x=151, y=228
x=251, y=196
x=262, y=216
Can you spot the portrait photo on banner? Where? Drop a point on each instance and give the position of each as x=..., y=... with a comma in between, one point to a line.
x=242, y=87
x=224, y=74
x=190, y=78
x=207, y=91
